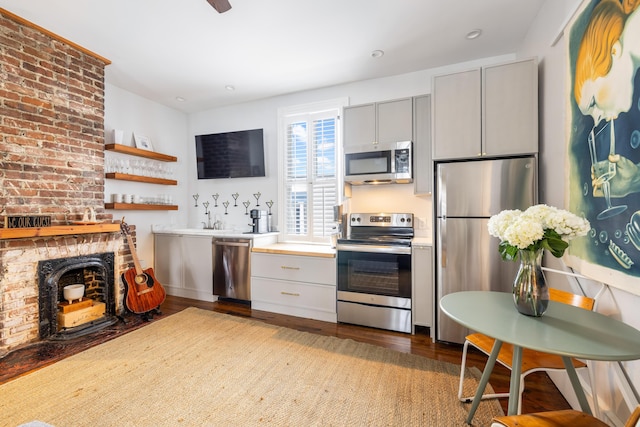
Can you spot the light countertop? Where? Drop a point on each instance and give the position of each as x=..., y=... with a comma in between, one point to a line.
x=421, y=241
x=301, y=249
x=213, y=233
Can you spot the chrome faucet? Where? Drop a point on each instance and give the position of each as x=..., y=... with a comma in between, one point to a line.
x=208, y=225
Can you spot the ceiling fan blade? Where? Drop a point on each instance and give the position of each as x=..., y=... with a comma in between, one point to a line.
x=220, y=5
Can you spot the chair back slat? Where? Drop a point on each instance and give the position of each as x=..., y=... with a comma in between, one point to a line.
x=634, y=419
x=571, y=299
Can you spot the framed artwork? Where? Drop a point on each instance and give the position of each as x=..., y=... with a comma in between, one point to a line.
x=603, y=134
x=142, y=142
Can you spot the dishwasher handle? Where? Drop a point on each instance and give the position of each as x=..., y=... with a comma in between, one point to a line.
x=244, y=244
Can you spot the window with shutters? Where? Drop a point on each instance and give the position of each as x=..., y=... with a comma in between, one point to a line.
x=310, y=138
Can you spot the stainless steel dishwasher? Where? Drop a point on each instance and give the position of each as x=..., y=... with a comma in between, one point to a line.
x=232, y=268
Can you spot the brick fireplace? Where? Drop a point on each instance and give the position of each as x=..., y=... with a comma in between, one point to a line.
x=51, y=163
x=19, y=281
x=61, y=318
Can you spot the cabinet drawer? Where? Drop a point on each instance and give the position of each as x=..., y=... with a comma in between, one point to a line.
x=300, y=296
x=295, y=268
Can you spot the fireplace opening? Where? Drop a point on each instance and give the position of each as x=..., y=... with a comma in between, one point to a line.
x=62, y=319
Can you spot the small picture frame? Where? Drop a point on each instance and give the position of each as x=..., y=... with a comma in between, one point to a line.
x=142, y=142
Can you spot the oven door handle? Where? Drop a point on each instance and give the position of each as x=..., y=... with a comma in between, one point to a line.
x=374, y=248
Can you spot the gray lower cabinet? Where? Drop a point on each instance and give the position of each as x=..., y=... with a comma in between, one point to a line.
x=302, y=286
x=183, y=265
x=422, y=290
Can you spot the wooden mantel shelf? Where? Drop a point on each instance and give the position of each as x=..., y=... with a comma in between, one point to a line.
x=58, y=230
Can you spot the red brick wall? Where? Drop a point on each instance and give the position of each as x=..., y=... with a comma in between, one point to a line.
x=51, y=162
x=51, y=125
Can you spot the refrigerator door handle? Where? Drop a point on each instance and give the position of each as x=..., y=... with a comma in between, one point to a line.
x=442, y=194
x=442, y=243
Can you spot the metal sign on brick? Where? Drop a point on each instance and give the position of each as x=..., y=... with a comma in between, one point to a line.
x=31, y=221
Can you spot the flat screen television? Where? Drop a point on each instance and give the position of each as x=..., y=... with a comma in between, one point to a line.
x=230, y=154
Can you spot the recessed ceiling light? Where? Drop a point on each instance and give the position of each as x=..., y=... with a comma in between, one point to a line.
x=180, y=99
x=230, y=88
x=377, y=53
x=474, y=34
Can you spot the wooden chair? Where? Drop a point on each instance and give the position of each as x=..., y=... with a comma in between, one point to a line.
x=567, y=417
x=532, y=361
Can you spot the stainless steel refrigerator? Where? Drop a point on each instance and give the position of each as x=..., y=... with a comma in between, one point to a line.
x=467, y=257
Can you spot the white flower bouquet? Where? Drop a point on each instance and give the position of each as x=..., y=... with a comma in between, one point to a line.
x=538, y=227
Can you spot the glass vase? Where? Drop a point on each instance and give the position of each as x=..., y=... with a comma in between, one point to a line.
x=530, y=290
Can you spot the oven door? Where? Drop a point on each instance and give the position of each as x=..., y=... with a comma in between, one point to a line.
x=374, y=270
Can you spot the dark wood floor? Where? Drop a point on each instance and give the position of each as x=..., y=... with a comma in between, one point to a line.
x=540, y=392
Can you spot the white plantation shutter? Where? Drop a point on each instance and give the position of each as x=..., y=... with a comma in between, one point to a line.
x=311, y=175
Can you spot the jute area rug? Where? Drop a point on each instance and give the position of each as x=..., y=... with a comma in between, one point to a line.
x=201, y=368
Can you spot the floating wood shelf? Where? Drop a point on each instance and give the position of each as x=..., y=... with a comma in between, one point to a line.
x=140, y=153
x=58, y=230
x=140, y=178
x=140, y=207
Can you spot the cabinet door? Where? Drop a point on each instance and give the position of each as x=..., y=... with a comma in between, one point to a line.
x=197, y=264
x=421, y=260
x=395, y=120
x=168, y=260
x=456, y=115
x=510, y=108
x=422, y=163
x=359, y=126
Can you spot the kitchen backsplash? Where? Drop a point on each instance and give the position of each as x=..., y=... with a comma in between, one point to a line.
x=393, y=198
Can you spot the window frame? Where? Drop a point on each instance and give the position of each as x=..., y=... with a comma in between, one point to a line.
x=304, y=111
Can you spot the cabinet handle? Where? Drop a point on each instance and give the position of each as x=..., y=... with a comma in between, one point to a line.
x=284, y=267
x=293, y=294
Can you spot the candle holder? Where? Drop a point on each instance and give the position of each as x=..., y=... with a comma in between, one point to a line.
x=215, y=200
x=257, y=196
x=226, y=205
x=246, y=207
x=195, y=197
x=235, y=198
x=269, y=204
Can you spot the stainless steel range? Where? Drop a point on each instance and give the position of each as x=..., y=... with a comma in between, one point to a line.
x=374, y=271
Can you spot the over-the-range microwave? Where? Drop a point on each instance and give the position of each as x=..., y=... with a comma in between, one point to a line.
x=379, y=164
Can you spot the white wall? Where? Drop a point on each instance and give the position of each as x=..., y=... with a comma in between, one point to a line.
x=263, y=114
x=553, y=157
x=167, y=129
x=172, y=132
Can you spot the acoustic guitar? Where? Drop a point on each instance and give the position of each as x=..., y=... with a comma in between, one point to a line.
x=143, y=292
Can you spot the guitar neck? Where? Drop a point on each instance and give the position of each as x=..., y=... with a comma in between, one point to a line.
x=132, y=248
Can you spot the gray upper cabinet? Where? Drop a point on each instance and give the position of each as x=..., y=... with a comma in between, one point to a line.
x=422, y=163
x=382, y=122
x=457, y=118
x=359, y=125
x=510, y=108
x=395, y=120
x=491, y=111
